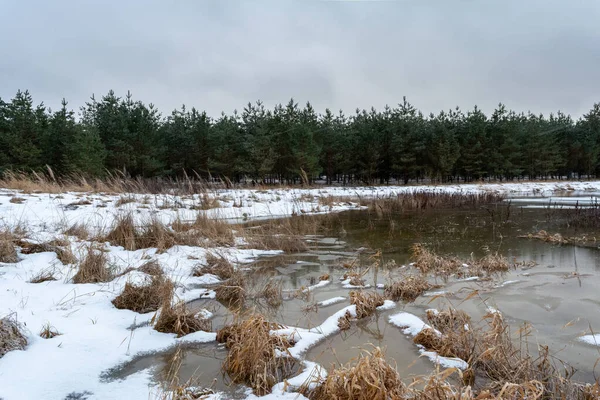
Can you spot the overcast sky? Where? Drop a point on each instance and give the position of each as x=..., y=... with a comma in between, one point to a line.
x=219, y=55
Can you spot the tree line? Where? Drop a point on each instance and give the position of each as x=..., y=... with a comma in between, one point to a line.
x=290, y=142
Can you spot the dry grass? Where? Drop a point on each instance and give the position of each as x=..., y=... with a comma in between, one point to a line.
x=61, y=247
x=8, y=252
x=253, y=354
x=94, y=268
x=17, y=200
x=180, y=320
x=272, y=292
x=48, y=331
x=205, y=230
x=11, y=335
x=152, y=268
x=124, y=200
x=407, y=289
x=232, y=292
x=420, y=200
x=80, y=231
x=216, y=265
x=370, y=378
x=153, y=233
x=286, y=243
x=344, y=322
x=366, y=303
x=144, y=298
x=429, y=262
x=45, y=275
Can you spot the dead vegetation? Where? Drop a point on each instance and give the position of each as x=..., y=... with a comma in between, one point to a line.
x=151, y=268
x=179, y=319
x=408, y=288
x=216, y=265
x=370, y=378
x=233, y=291
x=11, y=335
x=80, y=231
x=205, y=231
x=144, y=298
x=253, y=357
x=153, y=233
x=429, y=262
x=366, y=303
x=61, y=247
x=557, y=238
x=48, y=331
x=8, y=252
x=45, y=275
x=272, y=293
x=93, y=268
x=421, y=200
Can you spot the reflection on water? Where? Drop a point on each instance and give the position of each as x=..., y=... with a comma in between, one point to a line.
x=559, y=296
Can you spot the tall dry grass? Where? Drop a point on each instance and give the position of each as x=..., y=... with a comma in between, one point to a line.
x=253, y=357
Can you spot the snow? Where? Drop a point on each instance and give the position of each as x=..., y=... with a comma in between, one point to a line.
x=594, y=339
x=412, y=325
x=333, y=300
x=320, y=284
x=95, y=336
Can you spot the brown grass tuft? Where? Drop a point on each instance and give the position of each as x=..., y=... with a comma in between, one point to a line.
x=11, y=335
x=8, y=253
x=61, y=247
x=152, y=268
x=216, y=265
x=179, y=319
x=78, y=230
x=407, y=289
x=366, y=303
x=272, y=292
x=371, y=378
x=253, y=354
x=344, y=322
x=45, y=275
x=153, y=233
x=204, y=230
x=232, y=292
x=48, y=331
x=429, y=262
x=144, y=298
x=93, y=268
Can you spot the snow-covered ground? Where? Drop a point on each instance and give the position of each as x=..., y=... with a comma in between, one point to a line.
x=95, y=336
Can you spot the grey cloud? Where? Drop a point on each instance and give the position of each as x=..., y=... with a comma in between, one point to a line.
x=536, y=55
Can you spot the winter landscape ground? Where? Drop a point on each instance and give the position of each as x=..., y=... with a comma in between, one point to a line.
x=68, y=261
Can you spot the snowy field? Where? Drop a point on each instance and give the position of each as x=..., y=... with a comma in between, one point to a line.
x=95, y=336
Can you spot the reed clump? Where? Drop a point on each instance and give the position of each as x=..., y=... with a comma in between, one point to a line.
x=408, y=288
x=205, y=231
x=45, y=275
x=80, y=231
x=12, y=336
x=366, y=303
x=93, y=268
x=216, y=265
x=370, y=378
x=151, y=268
x=272, y=293
x=254, y=357
x=233, y=291
x=428, y=262
x=421, y=200
x=61, y=247
x=8, y=251
x=144, y=298
x=49, y=332
x=178, y=318
x=153, y=233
